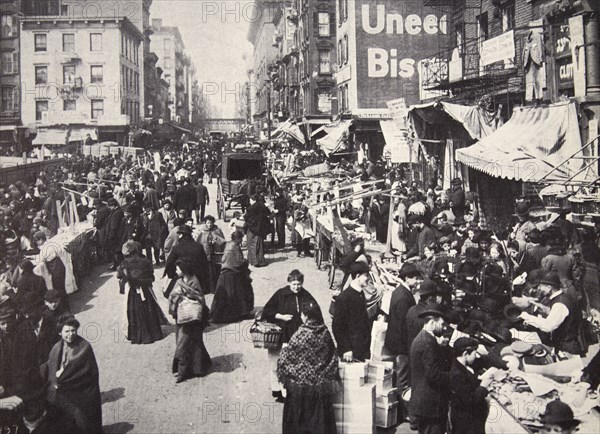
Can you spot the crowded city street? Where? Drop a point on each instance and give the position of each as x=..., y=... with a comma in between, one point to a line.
x=300, y=216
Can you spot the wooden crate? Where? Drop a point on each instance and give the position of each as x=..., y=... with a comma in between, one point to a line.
x=386, y=416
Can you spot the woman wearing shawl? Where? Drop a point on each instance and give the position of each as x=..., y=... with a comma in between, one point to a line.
x=191, y=358
x=308, y=368
x=144, y=315
x=234, y=296
x=212, y=240
x=73, y=378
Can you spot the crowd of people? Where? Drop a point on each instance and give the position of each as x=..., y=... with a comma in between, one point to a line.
x=455, y=273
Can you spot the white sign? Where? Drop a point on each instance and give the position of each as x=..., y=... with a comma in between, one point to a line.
x=398, y=110
x=497, y=49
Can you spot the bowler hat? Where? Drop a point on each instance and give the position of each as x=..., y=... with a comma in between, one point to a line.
x=408, y=270
x=512, y=312
x=427, y=288
x=456, y=181
x=498, y=332
x=432, y=309
x=465, y=344
x=52, y=296
x=184, y=229
x=112, y=202
x=550, y=278
x=557, y=412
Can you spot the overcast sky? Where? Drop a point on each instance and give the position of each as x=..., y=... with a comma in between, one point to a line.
x=214, y=34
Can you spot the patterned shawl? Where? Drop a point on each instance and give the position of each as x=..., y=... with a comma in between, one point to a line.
x=310, y=361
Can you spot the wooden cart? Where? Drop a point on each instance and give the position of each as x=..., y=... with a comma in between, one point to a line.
x=233, y=181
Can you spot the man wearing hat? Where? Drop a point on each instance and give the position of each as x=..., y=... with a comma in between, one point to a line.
x=525, y=225
x=188, y=250
x=113, y=232
x=457, y=201
x=395, y=339
x=351, y=325
x=428, y=293
x=185, y=197
x=425, y=236
x=101, y=216
x=429, y=369
x=468, y=405
x=558, y=418
x=564, y=319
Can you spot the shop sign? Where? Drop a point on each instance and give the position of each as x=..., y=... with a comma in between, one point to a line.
x=497, y=49
x=392, y=37
x=563, y=57
x=324, y=102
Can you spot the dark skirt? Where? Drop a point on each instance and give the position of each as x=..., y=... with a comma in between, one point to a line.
x=191, y=358
x=256, y=252
x=144, y=317
x=214, y=269
x=234, y=297
x=307, y=412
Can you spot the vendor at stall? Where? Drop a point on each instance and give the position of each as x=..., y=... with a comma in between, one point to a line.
x=564, y=319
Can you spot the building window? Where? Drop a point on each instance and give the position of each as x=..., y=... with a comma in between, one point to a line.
x=167, y=47
x=324, y=24
x=64, y=10
x=41, y=74
x=508, y=17
x=40, y=107
x=9, y=62
x=324, y=62
x=68, y=74
x=345, y=47
x=343, y=10
x=9, y=26
x=97, y=108
x=9, y=98
x=40, y=42
x=482, y=27
x=69, y=105
x=97, y=73
x=68, y=42
x=95, y=41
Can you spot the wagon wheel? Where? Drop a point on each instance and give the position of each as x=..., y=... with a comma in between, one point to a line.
x=333, y=266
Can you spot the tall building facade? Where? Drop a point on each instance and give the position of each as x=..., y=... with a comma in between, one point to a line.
x=10, y=115
x=73, y=75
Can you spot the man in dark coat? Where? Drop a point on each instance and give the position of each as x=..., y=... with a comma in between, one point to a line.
x=202, y=199
x=428, y=293
x=430, y=380
x=281, y=206
x=188, y=250
x=395, y=339
x=30, y=282
x=425, y=236
x=468, y=406
x=151, y=197
x=351, y=325
x=155, y=232
x=257, y=218
x=457, y=201
x=101, y=219
x=113, y=232
x=185, y=197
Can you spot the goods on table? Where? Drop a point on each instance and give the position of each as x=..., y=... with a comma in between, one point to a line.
x=354, y=405
x=266, y=335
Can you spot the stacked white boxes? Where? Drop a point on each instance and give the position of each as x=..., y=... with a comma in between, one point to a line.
x=354, y=406
x=386, y=406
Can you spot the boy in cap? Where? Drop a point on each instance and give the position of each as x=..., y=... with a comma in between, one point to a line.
x=468, y=405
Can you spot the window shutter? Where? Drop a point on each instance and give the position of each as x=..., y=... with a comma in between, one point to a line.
x=316, y=23
x=331, y=24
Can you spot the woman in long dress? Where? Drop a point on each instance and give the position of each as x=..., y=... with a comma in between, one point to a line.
x=74, y=379
x=144, y=315
x=191, y=358
x=212, y=240
x=308, y=368
x=234, y=296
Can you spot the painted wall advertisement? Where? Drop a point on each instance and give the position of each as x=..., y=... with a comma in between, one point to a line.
x=392, y=37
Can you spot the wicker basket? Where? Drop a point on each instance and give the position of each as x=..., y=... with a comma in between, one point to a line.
x=582, y=204
x=270, y=340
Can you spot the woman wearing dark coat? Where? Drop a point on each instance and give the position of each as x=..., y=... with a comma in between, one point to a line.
x=191, y=358
x=212, y=240
x=234, y=296
x=144, y=316
x=74, y=379
x=283, y=309
x=308, y=368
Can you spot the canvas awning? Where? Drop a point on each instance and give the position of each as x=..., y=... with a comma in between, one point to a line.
x=79, y=134
x=396, y=143
x=50, y=137
x=477, y=122
x=290, y=129
x=532, y=143
x=335, y=134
